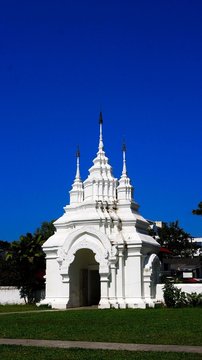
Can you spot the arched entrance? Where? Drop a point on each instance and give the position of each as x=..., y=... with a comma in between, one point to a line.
x=84, y=279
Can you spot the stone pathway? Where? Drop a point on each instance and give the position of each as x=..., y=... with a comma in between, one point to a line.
x=102, y=345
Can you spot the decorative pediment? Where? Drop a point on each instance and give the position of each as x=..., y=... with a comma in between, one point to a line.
x=90, y=231
x=84, y=241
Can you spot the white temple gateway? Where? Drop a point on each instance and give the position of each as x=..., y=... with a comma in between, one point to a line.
x=101, y=253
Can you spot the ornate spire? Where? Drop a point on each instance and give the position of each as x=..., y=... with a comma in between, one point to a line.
x=124, y=189
x=124, y=172
x=78, y=177
x=101, y=145
x=100, y=184
x=76, y=194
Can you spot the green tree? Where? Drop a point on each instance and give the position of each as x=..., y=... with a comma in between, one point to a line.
x=46, y=230
x=173, y=296
x=172, y=237
x=27, y=258
x=199, y=210
x=8, y=275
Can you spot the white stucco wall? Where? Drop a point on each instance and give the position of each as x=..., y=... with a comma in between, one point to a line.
x=10, y=295
x=188, y=288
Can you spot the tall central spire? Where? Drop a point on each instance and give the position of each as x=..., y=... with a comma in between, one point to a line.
x=100, y=184
x=101, y=145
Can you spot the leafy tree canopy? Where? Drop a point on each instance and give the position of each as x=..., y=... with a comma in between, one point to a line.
x=7, y=272
x=27, y=258
x=46, y=230
x=172, y=237
x=4, y=246
x=199, y=210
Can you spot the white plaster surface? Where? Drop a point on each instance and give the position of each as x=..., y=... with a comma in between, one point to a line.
x=103, y=218
x=10, y=295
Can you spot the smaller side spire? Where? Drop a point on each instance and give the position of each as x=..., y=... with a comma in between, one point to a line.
x=101, y=145
x=124, y=189
x=77, y=151
x=78, y=177
x=124, y=171
x=76, y=194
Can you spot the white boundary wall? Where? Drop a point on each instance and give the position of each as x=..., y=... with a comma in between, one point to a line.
x=188, y=288
x=10, y=295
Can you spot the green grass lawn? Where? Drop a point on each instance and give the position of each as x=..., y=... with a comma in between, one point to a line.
x=16, y=308
x=31, y=353
x=157, y=326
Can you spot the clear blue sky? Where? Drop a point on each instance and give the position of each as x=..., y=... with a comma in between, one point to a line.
x=60, y=61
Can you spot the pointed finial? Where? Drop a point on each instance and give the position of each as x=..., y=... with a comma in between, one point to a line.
x=78, y=177
x=100, y=118
x=124, y=172
x=124, y=146
x=101, y=146
x=77, y=152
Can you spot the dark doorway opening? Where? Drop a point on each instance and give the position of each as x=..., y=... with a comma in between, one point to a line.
x=84, y=279
x=90, y=287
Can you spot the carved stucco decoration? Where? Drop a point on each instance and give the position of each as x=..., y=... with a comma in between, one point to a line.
x=85, y=241
x=151, y=272
x=87, y=230
x=113, y=254
x=151, y=261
